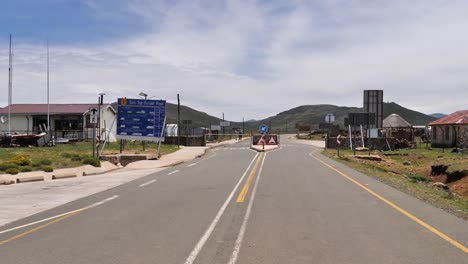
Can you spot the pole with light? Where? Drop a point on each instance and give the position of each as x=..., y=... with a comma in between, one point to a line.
x=178, y=121
x=100, y=102
x=142, y=94
x=145, y=95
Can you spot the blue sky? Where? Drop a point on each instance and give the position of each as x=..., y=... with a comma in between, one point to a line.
x=69, y=21
x=249, y=59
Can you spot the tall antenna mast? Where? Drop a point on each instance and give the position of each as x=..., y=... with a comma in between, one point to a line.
x=48, y=106
x=10, y=87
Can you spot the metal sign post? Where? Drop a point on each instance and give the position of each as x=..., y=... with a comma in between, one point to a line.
x=263, y=129
x=93, y=120
x=329, y=118
x=338, y=144
x=139, y=119
x=94, y=140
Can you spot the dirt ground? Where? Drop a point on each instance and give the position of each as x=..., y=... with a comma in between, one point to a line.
x=409, y=164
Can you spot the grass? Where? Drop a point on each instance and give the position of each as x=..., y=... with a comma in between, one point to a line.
x=412, y=179
x=72, y=155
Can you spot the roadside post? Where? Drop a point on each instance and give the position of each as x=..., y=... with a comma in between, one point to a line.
x=338, y=144
x=93, y=120
x=263, y=130
x=329, y=118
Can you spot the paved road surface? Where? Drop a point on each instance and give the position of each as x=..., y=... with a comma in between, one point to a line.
x=234, y=205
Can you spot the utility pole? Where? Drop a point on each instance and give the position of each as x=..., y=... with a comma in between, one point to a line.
x=48, y=106
x=100, y=102
x=10, y=87
x=243, y=125
x=178, y=121
x=223, y=124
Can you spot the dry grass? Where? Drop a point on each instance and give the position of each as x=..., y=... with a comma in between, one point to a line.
x=415, y=178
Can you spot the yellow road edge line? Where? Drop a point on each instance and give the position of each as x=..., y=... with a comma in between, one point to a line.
x=41, y=227
x=396, y=207
x=245, y=189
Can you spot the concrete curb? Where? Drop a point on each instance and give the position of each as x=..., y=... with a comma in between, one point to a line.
x=30, y=179
x=88, y=170
x=260, y=148
x=173, y=164
x=30, y=176
x=57, y=176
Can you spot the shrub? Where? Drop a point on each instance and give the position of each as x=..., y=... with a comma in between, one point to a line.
x=7, y=165
x=91, y=161
x=45, y=162
x=417, y=178
x=25, y=169
x=75, y=157
x=40, y=162
x=47, y=168
x=66, y=155
x=21, y=160
x=12, y=171
x=382, y=169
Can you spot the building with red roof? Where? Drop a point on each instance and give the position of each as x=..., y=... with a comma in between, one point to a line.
x=451, y=131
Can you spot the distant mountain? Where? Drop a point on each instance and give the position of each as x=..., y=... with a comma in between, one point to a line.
x=197, y=118
x=413, y=117
x=438, y=115
x=315, y=114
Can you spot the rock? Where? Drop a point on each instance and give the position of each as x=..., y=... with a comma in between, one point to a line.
x=439, y=185
x=438, y=169
x=406, y=162
x=7, y=182
x=456, y=175
x=368, y=157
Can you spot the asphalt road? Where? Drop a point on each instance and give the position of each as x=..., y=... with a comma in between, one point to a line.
x=234, y=205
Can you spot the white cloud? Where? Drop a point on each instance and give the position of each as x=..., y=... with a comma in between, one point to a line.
x=253, y=60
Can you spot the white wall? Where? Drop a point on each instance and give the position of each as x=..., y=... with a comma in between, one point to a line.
x=107, y=122
x=17, y=123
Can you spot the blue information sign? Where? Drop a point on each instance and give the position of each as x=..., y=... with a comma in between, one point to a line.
x=263, y=129
x=139, y=119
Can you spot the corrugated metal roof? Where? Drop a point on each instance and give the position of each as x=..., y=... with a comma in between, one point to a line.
x=54, y=108
x=457, y=118
x=395, y=121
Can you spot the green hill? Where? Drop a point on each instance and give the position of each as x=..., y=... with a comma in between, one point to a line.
x=287, y=120
x=198, y=119
x=315, y=114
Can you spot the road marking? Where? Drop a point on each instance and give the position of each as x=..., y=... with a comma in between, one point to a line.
x=191, y=165
x=240, y=237
x=57, y=218
x=198, y=247
x=172, y=172
x=103, y=201
x=147, y=183
x=38, y=222
x=396, y=207
x=245, y=189
x=40, y=227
